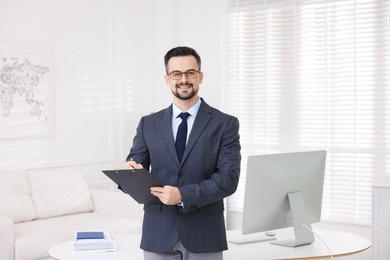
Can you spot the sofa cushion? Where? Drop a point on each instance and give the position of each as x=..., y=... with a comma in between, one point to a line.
x=59, y=191
x=15, y=200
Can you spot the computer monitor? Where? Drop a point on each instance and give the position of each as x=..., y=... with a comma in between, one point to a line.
x=284, y=190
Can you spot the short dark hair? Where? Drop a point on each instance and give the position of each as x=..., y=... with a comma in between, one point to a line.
x=181, y=51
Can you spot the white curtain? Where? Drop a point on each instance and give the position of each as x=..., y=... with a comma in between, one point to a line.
x=314, y=74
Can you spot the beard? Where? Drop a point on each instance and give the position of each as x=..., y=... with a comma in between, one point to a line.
x=184, y=95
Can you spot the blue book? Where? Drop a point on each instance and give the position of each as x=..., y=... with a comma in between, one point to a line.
x=90, y=235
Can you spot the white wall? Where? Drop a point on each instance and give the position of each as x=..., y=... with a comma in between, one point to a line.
x=108, y=71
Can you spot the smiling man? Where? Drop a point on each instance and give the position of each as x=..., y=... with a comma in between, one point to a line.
x=193, y=149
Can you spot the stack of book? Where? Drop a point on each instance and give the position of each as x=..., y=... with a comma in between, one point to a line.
x=93, y=241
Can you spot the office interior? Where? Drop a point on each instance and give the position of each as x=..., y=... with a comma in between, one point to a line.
x=106, y=71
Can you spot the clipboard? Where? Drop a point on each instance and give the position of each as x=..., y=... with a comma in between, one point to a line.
x=136, y=183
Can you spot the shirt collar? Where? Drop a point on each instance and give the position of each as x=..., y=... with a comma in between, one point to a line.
x=193, y=111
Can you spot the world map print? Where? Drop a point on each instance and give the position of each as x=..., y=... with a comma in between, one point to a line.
x=20, y=77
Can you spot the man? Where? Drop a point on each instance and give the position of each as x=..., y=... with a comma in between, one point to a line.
x=189, y=221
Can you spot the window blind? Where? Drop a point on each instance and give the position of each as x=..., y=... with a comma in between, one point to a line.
x=313, y=74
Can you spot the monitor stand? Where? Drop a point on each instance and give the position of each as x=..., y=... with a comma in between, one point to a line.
x=303, y=235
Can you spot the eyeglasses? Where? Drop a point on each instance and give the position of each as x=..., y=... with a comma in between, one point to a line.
x=190, y=74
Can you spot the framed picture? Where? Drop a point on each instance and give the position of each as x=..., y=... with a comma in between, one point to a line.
x=26, y=90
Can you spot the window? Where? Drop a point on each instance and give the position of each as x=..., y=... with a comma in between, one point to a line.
x=305, y=75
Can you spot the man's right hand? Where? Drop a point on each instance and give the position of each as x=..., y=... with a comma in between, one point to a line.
x=132, y=165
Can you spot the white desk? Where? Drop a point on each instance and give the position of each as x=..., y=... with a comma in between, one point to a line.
x=340, y=243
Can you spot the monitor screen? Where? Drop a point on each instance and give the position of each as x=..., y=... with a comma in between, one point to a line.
x=284, y=190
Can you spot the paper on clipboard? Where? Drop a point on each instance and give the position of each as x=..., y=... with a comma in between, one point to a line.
x=136, y=183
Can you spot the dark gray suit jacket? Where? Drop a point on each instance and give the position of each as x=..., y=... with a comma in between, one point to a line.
x=209, y=172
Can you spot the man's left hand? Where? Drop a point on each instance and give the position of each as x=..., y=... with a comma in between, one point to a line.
x=169, y=195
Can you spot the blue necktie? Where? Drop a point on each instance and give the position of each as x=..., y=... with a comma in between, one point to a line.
x=181, y=136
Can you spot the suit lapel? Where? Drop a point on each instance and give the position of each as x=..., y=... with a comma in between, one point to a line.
x=202, y=119
x=166, y=123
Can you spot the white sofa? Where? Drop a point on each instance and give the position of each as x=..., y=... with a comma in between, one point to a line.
x=42, y=207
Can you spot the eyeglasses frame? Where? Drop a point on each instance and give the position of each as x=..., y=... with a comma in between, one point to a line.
x=185, y=73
